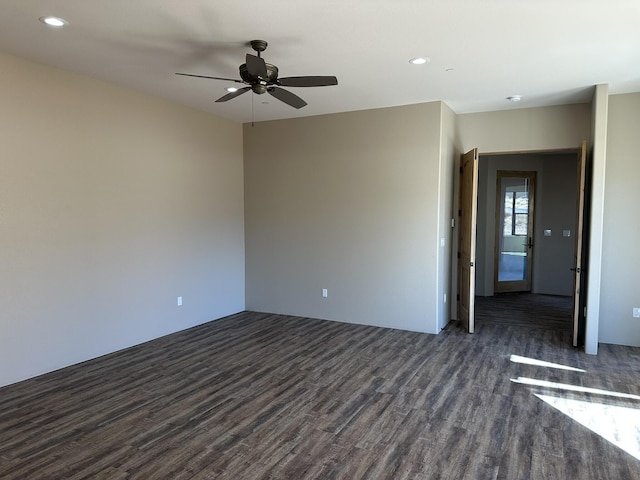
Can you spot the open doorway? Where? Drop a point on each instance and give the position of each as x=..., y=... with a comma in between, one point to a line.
x=544, y=297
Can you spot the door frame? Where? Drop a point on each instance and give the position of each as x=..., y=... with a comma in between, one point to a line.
x=524, y=285
x=555, y=151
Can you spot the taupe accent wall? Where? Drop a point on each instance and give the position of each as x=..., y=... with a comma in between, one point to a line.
x=347, y=202
x=112, y=204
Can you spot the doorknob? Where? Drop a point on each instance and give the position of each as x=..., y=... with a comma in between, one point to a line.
x=529, y=244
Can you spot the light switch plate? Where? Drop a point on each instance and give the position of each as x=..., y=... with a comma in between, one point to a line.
x=566, y=233
x=547, y=233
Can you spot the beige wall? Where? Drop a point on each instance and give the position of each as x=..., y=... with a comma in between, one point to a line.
x=620, y=288
x=449, y=153
x=595, y=222
x=112, y=204
x=347, y=202
x=543, y=128
x=299, y=173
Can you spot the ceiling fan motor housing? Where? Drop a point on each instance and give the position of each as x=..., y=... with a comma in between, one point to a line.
x=272, y=76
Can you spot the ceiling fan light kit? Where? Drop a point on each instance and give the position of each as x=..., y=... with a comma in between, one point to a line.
x=55, y=22
x=262, y=77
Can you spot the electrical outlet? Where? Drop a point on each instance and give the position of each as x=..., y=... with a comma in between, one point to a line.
x=179, y=301
x=325, y=293
x=636, y=312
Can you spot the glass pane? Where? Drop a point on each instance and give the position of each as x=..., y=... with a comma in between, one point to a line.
x=522, y=211
x=522, y=224
x=508, y=213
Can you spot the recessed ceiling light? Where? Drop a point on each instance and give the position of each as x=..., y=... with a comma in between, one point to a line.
x=514, y=98
x=232, y=89
x=419, y=60
x=54, y=21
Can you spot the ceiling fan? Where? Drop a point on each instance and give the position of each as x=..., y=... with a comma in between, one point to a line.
x=262, y=77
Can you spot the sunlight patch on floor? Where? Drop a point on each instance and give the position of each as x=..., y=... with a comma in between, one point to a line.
x=541, y=363
x=616, y=424
x=573, y=388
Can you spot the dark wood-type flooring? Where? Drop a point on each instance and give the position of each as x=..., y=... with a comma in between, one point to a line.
x=531, y=310
x=259, y=396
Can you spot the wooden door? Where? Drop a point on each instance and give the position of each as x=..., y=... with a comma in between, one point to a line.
x=578, y=269
x=467, y=216
x=513, y=259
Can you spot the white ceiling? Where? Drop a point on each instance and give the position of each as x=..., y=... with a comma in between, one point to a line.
x=481, y=51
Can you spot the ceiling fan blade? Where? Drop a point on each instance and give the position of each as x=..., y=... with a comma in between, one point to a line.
x=287, y=97
x=212, y=78
x=256, y=66
x=323, y=81
x=231, y=95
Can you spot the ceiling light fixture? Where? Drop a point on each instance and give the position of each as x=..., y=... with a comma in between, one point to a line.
x=232, y=89
x=419, y=60
x=56, y=22
x=514, y=98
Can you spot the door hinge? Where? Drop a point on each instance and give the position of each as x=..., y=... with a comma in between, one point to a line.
x=459, y=213
x=471, y=264
x=460, y=169
x=458, y=296
x=458, y=255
